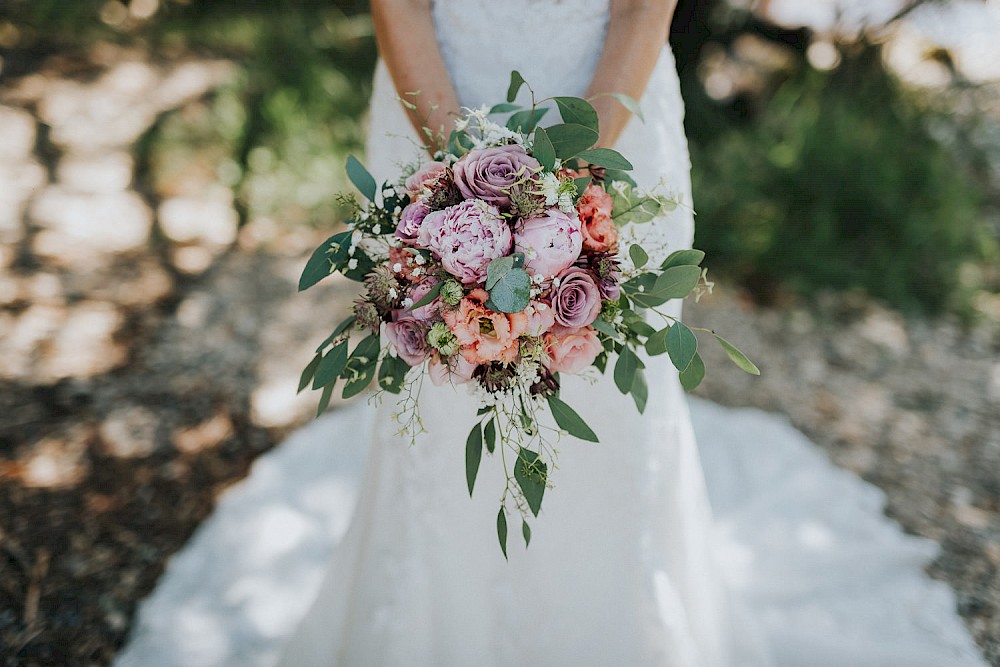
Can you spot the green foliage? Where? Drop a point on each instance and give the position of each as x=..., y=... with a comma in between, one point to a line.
x=839, y=182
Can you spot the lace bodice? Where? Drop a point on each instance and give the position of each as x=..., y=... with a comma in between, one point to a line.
x=480, y=64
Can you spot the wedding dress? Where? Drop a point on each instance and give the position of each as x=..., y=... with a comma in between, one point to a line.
x=626, y=565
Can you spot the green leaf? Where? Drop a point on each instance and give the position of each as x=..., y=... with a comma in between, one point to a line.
x=657, y=343
x=543, y=151
x=526, y=532
x=490, y=436
x=606, y=157
x=612, y=175
x=432, y=294
x=331, y=366
x=363, y=361
x=640, y=392
x=693, y=374
x=625, y=368
x=531, y=473
x=320, y=264
x=459, y=143
x=683, y=257
x=362, y=180
x=681, y=345
x=503, y=107
x=473, y=455
x=737, y=357
x=575, y=110
x=569, y=139
x=516, y=81
x=324, y=400
x=511, y=292
x=581, y=184
x=392, y=373
x=638, y=255
x=526, y=120
x=502, y=531
x=606, y=328
x=639, y=326
x=308, y=372
x=629, y=103
x=569, y=421
x=343, y=326
x=642, y=290
x=677, y=281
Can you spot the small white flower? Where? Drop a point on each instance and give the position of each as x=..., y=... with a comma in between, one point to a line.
x=416, y=271
x=397, y=267
x=642, y=288
x=377, y=229
x=389, y=192
x=393, y=293
x=566, y=203
x=549, y=188
x=353, y=263
x=420, y=260
x=407, y=302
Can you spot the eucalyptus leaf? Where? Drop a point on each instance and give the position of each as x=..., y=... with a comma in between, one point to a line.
x=392, y=373
x=503, y=107
x=320, y=264
x=331, y=366
x=473, y=455
x=543, y=151
x=640, y=391
x=678, y=281
x=606, y=328
x=324, y=399
x=363, y=361
x=690, y=257
x=657, y=343
x=526, y=532
x=362, y=180
x=432, y=294
x=568, y=420
x=502, y=531
x=526, y=120
x=531, y=473
x=511, y=292
x=569, y=139
x=737, y=357
x=308, y=372
x=625, y=368
x=682, y=345
x=693, y=374
x=516, y=81
x=638, y=255
x=606, y=157
x=576, y=110
x=490, y=435
x=629, y=103
x=581, y=184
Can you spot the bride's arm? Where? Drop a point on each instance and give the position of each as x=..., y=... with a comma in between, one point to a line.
x=637, y=31
x=404, y=31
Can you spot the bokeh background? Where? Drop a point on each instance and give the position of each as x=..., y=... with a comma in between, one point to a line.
x=165, y=165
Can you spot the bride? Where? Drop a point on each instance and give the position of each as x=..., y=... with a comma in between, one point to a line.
x=626, y=565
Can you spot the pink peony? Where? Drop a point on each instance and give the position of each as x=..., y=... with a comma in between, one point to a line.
x=407, y=336
x=541, y=317
x=550, y=241
x=572, y=350
x=577, y=299
x=599, y=231
x=410, y=220
x=424, y=176
x=455, y=370
x=466, y=237
x=489, y=173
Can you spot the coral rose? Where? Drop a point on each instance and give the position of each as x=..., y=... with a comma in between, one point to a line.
x=485, y=335
x=572, y=350
x=424, y=176
x=541, y=317
x=599, y=231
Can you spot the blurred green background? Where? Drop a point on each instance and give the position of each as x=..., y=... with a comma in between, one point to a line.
x=814, y=167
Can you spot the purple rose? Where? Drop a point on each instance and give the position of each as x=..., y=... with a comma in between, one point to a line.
x=407, y=336
x=410, y=220
x=550, y=242
x=489, y=173
x=466, y=237
x=577, y=299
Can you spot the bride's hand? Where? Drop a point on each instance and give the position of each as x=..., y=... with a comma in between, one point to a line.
x=637, y=32
x=404, y=30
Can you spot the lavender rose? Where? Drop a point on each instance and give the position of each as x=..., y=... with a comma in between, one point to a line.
x=466, y=237
x=577, y=299
x=550, y=242
x=424, y=176
x=410, y=220
x=407, y=336
x=489, y=173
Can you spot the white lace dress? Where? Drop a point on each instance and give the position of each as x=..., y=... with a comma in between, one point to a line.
x=626, y=564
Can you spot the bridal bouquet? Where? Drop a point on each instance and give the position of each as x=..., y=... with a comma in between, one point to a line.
x=510, y=259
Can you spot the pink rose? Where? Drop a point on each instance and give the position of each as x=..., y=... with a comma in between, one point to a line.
x=572, y=350
x=408, y=337
x=489, y=173
x=541, y=318
x=466, y=237
x=424, y=176
x=410, y=220
x=455, y=370
x=418, y=292
x=550, y=241
x=577, y=299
